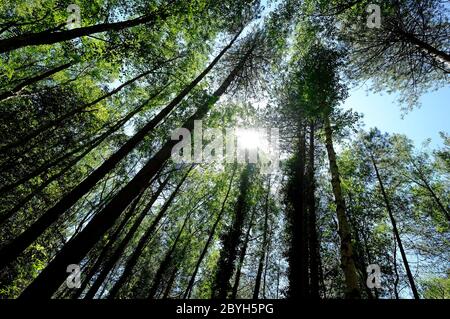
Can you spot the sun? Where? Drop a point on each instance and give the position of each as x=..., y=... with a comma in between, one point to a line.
x=251, y=139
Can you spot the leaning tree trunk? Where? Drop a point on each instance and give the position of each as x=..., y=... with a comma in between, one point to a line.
x=105, y=251
x=73, y=162
x=209, y=240
x=18, y=88
x=437, y=55
x=112, y=260
x=95, y=143
x=167, y=261
x=60, y=119
x=131, y=262
x=18, y=245
x=50, y=37
x=347, y=254
x=425, y=184
x=395, y=230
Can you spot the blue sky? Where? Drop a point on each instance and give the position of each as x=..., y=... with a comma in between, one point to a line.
x=383, y=111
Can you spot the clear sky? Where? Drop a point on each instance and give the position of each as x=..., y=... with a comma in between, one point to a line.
x=383, y=111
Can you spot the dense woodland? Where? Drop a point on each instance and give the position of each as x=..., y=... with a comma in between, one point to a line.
x=86, y=174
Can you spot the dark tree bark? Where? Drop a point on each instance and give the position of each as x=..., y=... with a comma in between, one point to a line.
x=131, y=262
x=242, y=254
x=232, y=238
x=18, y=88
x=112, y=260
x=59, y=120
x=209, y=240
x=73, y=162
x=167, y=261
x=395, y=230
x=298, y=251
x=50, y=37
x=264, y=246
x=105, y=251
x=313, y=241
x=438, y=55
x=426, y=185
x=52, y=276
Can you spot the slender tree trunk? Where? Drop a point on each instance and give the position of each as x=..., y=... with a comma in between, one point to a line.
x=428, y=187
x=170, y=282
x=15, y=90
x=232, y=238
x=437, y=200
x=264, y=246
x=314, y=253
x=347, y=254
x=397, y=277
x=174, y=273
x=131, y=262
x=17, y=246
x=118, y=252
x=167, y=261
x=105, y=251
x=242, y=254
x=50, y=37
x=396, y=233
x=209, y=240
x=59, y=120
x=72, y=163
x=111, y=241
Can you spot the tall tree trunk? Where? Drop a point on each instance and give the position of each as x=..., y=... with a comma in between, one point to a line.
x=132, y=260
x=105, y=251
x=167, y=261
x=209, y=240
x=18, y=245
x=395, y=230
x=360, y=259
x=347, y=254
x=231, y=240
x=50, y=37
x=15, y=90
x=264, y=246
x=314, y=253
x=118, y=252
x=242, y=255
x=174, y=273
x=298, y=250
x=170, y=282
